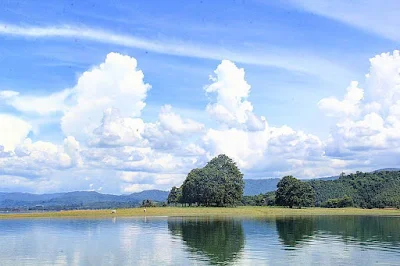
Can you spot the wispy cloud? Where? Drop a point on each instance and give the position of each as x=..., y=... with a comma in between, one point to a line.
x=377, y=17
x=271, y=57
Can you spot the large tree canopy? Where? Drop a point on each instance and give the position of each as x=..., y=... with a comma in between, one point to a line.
x=219, y=183
x=293, y=192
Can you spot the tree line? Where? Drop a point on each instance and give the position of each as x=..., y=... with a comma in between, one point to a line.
x=220, y=183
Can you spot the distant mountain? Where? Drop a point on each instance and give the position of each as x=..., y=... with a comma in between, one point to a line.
x=387, y=169
x=156, y=195
x=257, y=186
x=78, y=200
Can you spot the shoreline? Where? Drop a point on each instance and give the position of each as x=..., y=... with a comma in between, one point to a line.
x=241, y=212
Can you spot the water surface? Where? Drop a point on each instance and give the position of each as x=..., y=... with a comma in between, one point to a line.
x=327, y=240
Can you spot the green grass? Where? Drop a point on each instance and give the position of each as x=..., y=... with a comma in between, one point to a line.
x=249, y=212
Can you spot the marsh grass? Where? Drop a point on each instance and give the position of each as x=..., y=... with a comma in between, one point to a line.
x=249, y=212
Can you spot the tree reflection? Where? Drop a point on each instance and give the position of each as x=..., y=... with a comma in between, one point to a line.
x=295, y=230
x=366, y=229
x=220, y=240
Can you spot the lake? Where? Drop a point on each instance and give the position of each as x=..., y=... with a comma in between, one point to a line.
x=326, y=240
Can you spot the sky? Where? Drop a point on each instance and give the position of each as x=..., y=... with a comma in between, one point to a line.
x=124, y=96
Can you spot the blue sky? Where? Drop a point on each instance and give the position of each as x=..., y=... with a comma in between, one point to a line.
x=293, y=53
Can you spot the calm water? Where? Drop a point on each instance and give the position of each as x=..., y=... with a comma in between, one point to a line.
x=199, y=241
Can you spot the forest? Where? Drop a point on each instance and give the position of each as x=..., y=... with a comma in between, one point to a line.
x=366, y=190
x=377, y=189
x=220, y=183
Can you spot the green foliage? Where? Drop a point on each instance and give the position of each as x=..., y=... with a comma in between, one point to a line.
x=267, y=199
x=293, y=192
x=219, y=183
x=367, y=190
x=346, y=201
x=175, y=195
x=148, y=203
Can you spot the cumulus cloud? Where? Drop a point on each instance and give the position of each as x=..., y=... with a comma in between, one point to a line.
x=229, y=104
x=118, y=131
x=175, y=124
x=248, y=139
x=383, y=79
x=13, y=131
x=35, y=159
x=348, y=106
x=375, y=126
x=116, y=83
x=72, y=149
x=109, y=145
x=246, y=148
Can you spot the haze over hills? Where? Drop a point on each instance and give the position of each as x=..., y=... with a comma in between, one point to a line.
x=78, y=199
x=258, y=186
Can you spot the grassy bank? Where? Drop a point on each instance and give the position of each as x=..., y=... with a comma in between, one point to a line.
x=202, y=211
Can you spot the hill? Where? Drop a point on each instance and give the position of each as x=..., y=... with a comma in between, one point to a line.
x=257, y=186
x=78, y=200
x=368, y=190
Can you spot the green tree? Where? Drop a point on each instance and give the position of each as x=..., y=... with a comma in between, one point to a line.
x=147, y=203
x=175, y=195
x=190, y=187
x=219, y=183
x=292, y=192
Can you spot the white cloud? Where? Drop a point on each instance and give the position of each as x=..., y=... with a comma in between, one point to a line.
x=6, y=94
x=369, y=15
x=13, y=131
x=35, y=159
x=126, y=153
x=138, y=181
x=230, y=105
x=41, y=105
x=72, y=149
x=118, y=131
x=248, y=139
x=246, y=148
x=375, y=126
x=383, y=79
x=116, y=83
x=175, y=124
x=348, y=106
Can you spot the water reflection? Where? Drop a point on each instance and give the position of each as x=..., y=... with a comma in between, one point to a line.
x=220, y=240
x=347, y=240
x=295, y=230
x=364, y=229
